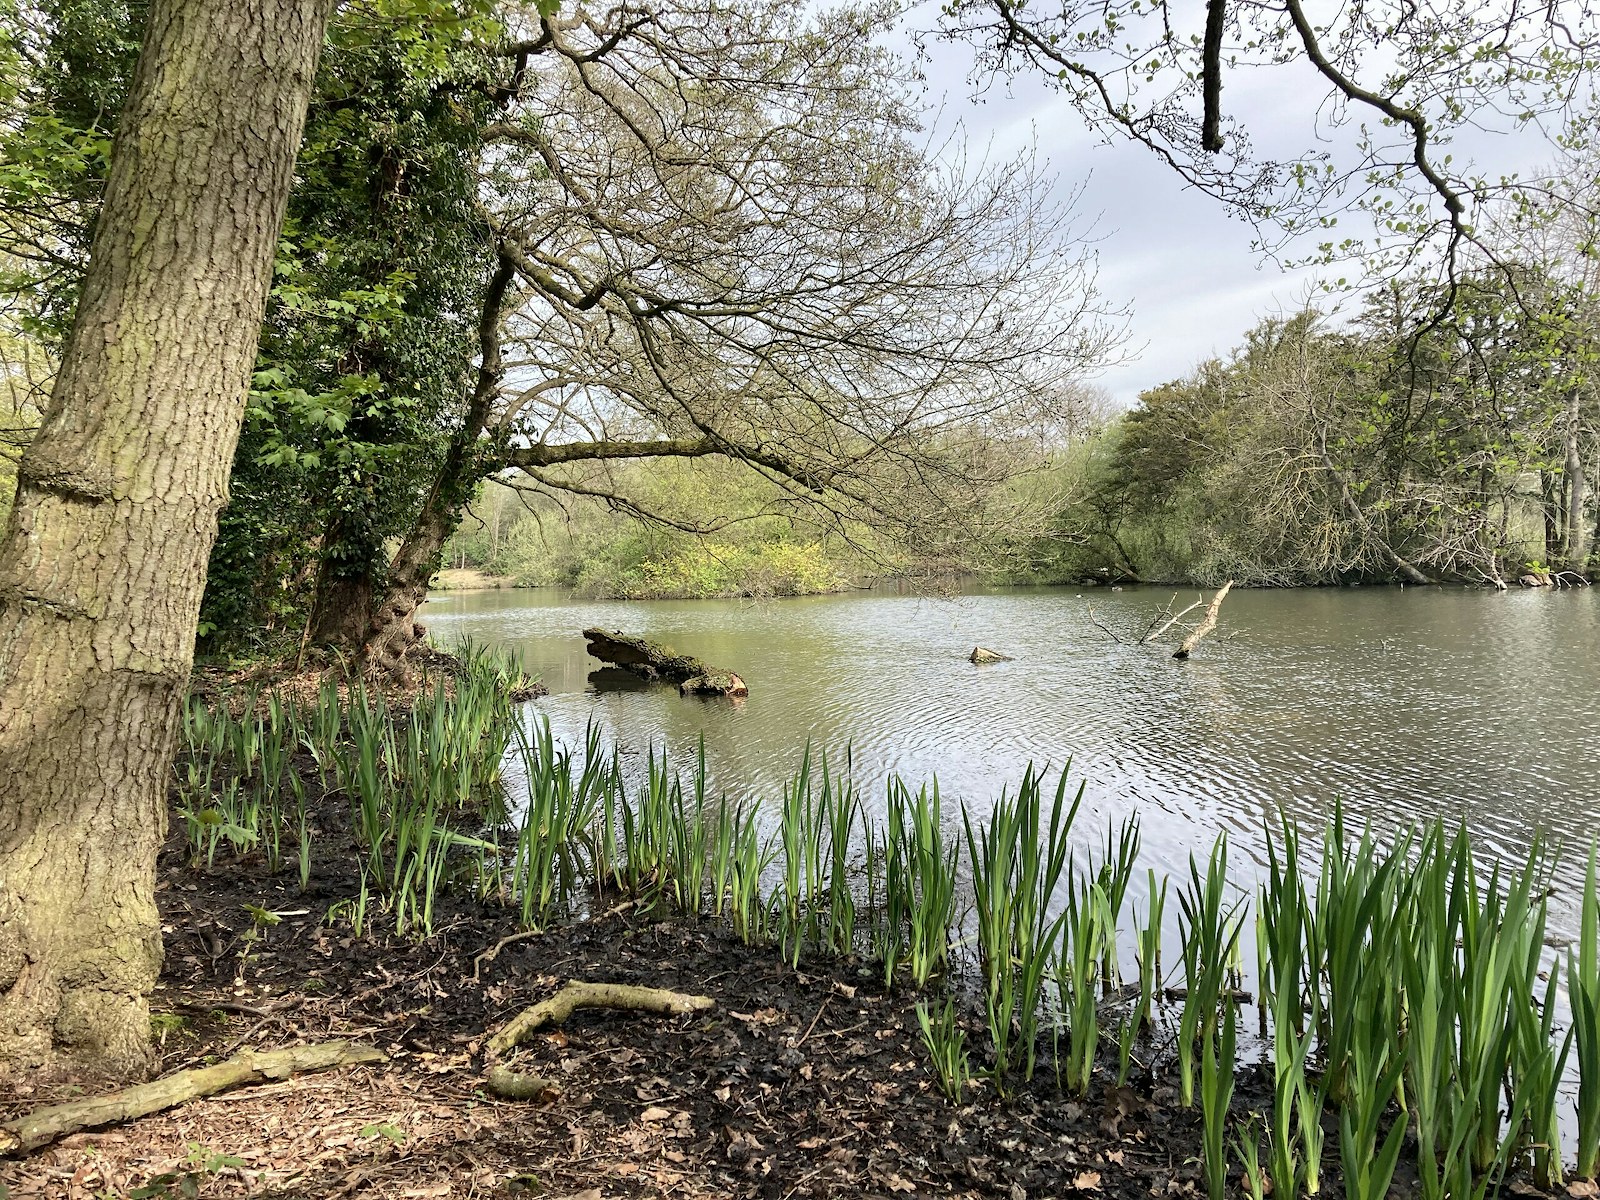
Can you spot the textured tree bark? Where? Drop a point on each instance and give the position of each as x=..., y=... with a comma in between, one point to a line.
x=1207, y=623
x=104, y=556
x=1575, y=542
x=341, y=612
x=578, y=994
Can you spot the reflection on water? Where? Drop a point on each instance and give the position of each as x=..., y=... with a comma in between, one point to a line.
x=1404, y=704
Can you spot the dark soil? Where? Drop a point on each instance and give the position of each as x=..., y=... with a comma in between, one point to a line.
x=799, y=1083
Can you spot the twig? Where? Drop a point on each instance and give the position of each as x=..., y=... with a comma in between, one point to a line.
x=1172, y=619
x=493, y=951
x=1106, y=629
x=821, y=1008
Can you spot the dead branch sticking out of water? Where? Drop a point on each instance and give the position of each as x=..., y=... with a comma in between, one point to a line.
x=1168, y=618
x=1159, y=627
x=1207, y=623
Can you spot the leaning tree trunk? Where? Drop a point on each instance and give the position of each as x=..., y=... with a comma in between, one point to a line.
x=1404, y=567
x=394, y=630
x=341, y=608
x=104, y=558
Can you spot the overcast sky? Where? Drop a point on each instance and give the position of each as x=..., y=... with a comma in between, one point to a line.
x=1182, y=267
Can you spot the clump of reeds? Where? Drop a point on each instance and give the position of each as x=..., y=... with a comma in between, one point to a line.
x=1404, y=986
x=918, y=905
x=1017, y=860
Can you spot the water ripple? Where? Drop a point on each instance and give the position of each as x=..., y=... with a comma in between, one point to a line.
x=1400, y=705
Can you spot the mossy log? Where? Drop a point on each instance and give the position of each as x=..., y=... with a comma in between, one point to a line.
x=45, y=1125
x=653, y=660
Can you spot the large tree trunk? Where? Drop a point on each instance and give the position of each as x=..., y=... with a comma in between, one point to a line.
x=104, y=558
x=394, y=629
x=341, y=611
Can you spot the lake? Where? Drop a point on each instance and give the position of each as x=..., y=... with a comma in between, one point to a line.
x=1402, y=704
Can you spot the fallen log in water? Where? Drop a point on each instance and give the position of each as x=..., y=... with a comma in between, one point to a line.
x=653, y=660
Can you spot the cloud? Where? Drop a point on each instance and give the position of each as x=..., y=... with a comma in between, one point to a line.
x=1189, y=273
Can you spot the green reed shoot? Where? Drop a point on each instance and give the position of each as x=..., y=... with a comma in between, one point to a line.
x=919, y=891
x=751, y=856
x=647, y=832
x=1218, y=1058
x=1086, y=928
x=841, y=804
x=690, y=842
x=1373, y=1065
x=946, y=1043
x=1149, y=956
x=1536, y=1075
x=1583, y=985
x=724, y=838
x=303, y=829
x=1119, y=854
x=1467, y=965
x=1289, y=991
x=1017, y=863
x=1359, y=911
x=1248, y=1144
x=557, y=819
x=1210, y=934
x=815, y=905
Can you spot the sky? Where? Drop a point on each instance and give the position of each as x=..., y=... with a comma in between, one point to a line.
x=1183, y=268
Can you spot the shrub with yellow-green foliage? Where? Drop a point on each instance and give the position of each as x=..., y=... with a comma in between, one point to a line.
x=682, y=567
x=587, y=545
x=703, y=569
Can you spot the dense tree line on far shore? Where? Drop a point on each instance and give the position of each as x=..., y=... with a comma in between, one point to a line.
x=1319, y=452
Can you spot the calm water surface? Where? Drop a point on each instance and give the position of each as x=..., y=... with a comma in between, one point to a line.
x=1402, y=704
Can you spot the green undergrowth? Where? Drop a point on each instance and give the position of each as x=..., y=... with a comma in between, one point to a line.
x=1413, y=1012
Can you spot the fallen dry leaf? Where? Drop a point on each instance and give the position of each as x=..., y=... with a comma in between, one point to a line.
x=1087, y=1181
x=1583, y=1189
x=655, y=1113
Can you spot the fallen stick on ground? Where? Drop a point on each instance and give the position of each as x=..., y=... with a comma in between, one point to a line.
x=514, y=1085
x=578, y=994
x=45, y=1125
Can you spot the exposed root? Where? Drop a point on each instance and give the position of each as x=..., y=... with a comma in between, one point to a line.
x=578, y=994
x=45, y=1125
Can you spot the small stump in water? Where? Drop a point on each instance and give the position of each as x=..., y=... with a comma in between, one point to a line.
x=981, y=654
x=652, y=660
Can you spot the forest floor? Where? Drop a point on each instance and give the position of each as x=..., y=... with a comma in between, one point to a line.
x=798, y=1083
